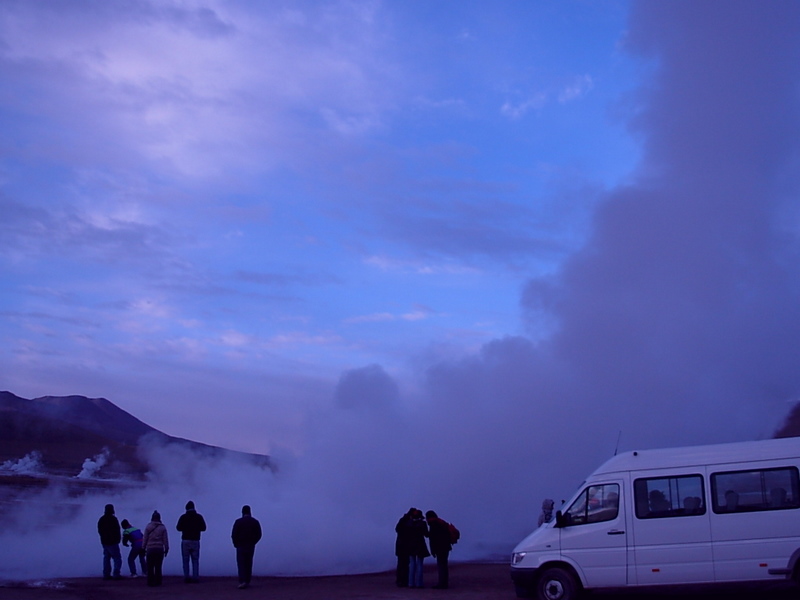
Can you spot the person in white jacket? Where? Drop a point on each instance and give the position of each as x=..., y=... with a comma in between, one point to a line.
x=156, y=547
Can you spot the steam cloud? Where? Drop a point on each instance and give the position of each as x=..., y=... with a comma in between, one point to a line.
x=30, y=464
x=91, y=466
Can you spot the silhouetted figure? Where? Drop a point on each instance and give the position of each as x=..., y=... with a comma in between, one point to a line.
x=417, y=548
x=547, y=511
x=245, y=535
x=156, y=545
x=191, y=524
x=401, y=547
x=439, y=533
x=110, y=537
x=134, y=536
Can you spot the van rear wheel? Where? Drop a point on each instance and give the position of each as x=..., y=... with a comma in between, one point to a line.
x=556, y=584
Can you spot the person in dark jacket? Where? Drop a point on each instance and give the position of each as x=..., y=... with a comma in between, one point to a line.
x=439, y=533
x=110, y=537
x=417, y=548
x=245, y=535
x=134, y=536
x=401, y=548
x=191, y=524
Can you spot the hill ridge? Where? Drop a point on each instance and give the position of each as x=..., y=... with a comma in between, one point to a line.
x=66, y=431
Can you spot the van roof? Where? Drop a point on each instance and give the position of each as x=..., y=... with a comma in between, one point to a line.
x=714, y=454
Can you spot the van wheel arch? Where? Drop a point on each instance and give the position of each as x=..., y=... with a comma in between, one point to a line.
x=794, y=565
x=558, y=582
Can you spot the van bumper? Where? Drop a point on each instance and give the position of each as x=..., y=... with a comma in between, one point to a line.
x=524, y=580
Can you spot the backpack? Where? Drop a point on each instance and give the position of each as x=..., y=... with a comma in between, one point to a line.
x=455, y=534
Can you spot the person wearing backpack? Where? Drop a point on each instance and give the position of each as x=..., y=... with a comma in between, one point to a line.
x=439, y=535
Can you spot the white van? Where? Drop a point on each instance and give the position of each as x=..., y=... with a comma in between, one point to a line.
x=698, y=515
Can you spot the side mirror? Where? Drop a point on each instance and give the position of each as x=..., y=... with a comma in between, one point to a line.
x=561, y=519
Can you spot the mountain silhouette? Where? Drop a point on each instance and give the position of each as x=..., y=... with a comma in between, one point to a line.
x=62, y=432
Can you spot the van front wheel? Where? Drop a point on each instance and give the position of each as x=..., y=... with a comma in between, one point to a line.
x=556, y=584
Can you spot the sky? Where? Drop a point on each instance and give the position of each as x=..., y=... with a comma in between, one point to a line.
x=441, y=253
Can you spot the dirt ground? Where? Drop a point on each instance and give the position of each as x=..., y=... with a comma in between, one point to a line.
x=468, y=581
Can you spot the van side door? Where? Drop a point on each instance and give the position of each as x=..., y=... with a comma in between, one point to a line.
x=594, y=536
x=671, y=529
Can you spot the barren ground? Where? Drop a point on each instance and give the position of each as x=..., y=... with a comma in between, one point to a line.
x=469, y=581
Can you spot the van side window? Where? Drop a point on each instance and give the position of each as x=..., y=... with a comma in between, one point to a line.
x=596, y=503
x=676, y=496
x=747, y=491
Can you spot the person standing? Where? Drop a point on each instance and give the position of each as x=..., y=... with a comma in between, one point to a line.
x=156, y=545
x=439, y=533
x=245, y=535
x=133, y=536
x=547, y=511
x=191, y=524
x=110, y=537
x=401, y=548
x=417, y=548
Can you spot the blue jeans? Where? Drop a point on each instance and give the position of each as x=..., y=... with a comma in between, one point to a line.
x=415, y=571
x=111, y=552
x=132, y=556
x=190, y=549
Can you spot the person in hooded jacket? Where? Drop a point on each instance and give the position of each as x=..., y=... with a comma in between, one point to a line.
x=156, y=545
x=439, y=533
x=110, y=537
x=245, y=535
x=191, y=524
x=133, y=536
x=401, y=548
x=417, y=548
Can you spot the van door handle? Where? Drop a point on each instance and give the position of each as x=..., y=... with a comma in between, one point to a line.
x=616, y=532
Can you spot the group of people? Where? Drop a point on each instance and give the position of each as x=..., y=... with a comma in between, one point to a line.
x=152, y=546
x=412, y=549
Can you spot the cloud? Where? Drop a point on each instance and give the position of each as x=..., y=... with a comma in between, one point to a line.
x=418, y=314
x=192, y=91
x=683, y=303
x=368, y=386
x=520, y=109
x=579, y=87
x=575, y=89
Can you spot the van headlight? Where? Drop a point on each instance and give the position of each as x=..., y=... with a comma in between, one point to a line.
x=517, y=557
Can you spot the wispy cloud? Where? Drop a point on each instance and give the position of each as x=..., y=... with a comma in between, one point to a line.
x=418, y=314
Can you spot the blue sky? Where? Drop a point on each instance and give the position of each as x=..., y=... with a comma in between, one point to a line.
x=269, y=225
x=290, y=190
